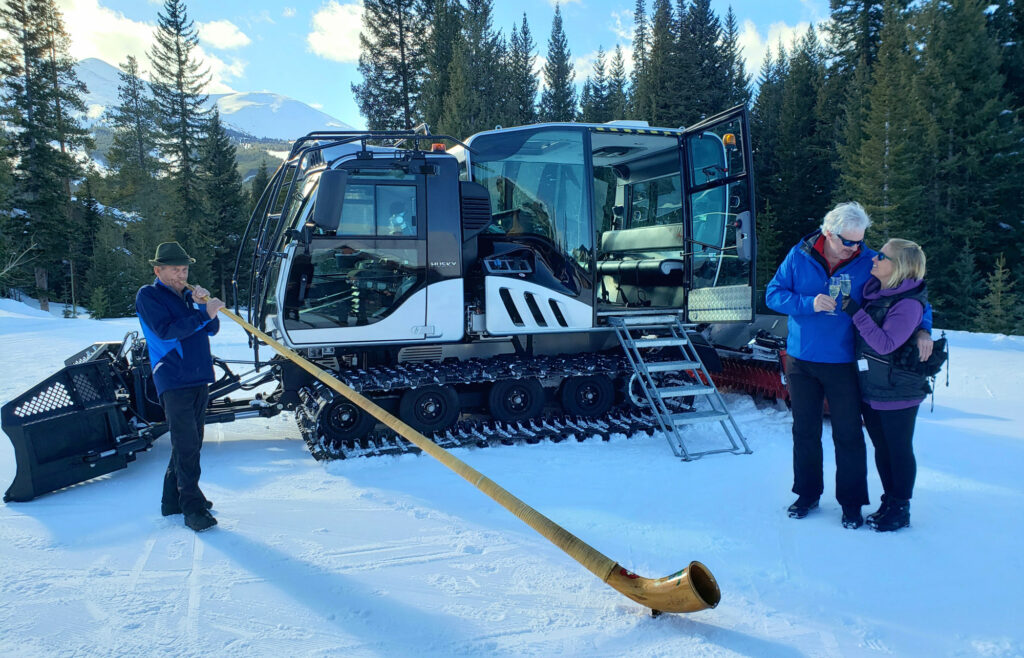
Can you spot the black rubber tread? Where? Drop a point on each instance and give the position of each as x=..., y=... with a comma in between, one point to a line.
x=477, y=431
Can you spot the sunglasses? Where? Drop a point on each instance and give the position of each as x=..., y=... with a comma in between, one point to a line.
x=881, y=256
x=849, y=243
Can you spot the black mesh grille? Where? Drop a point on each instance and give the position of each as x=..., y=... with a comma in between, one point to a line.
x=56, y=396
x=88, y=391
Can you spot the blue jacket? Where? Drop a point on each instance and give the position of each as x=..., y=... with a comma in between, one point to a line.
x=803, y=275
x=177, y=331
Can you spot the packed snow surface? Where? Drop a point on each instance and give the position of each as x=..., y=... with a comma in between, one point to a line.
x=398, y=556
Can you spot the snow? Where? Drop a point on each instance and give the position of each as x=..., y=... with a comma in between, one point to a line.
x=398, y=556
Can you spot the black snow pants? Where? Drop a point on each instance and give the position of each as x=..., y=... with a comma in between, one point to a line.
x=809, y=384
x=892, y=434
x=185, y=409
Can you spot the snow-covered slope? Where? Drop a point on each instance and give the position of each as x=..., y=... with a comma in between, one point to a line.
x=400, y=557
x=260, y=114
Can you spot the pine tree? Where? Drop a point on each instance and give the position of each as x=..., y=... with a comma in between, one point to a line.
x=998, y=313
x=558, y=100
x=259, y=183
x=178, y=83
x=883, y=173
x=132, y=156
x=765, y=118
x=522, y=104
x=969, y=151
x=597, y=108
x=475, y=97
x=438, y=51
x=705, y=72
x=42, y=99
x=392, y=63
x=225, y=204
x=770, y=251
x=804, y=170
x=659, y=99
x=737, y=79
x=971, y=288
x=618, y=99
x=1007, y=21
x=116, y=273
x=641, y=52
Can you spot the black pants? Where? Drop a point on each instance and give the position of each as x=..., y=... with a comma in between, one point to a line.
x=185, y=409
x=892, y=434
x=809, y=384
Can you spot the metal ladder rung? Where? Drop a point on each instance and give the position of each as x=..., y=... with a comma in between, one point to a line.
x=680, y=391
x=688, y=418
x=658, y=342
x=670, y=422
x=668, y=366
x=640, y=320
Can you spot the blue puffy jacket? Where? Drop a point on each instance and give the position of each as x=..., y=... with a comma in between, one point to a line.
x=177, y=331
x=803, y=275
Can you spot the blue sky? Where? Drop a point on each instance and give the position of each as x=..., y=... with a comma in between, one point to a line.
x=308, y=49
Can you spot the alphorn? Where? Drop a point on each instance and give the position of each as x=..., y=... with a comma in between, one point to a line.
x=688, y=590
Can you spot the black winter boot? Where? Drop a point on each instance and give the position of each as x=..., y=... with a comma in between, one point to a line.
x=802, y=506
x=173, y=508
x=882, y=509
x=896, y=517
x=200, y=521
x=851, y=517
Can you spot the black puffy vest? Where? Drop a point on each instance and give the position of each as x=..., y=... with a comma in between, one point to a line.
x=884, y=380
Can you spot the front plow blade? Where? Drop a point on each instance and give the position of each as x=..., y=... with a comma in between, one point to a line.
x=69, y=428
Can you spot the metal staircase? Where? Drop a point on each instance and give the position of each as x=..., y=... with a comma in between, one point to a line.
x=638, y=333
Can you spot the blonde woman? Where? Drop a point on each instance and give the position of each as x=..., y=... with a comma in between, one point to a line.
x=893, y=303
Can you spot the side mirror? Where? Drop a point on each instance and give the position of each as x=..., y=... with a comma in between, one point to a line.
x=330, y=196
x=744, y=236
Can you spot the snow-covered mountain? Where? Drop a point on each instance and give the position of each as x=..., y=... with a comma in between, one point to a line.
x=261, y=114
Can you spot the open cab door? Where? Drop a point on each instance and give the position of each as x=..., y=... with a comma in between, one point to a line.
x=718, y=210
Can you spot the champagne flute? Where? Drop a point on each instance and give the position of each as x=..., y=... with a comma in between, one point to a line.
x=834, y=286
x=846, y=285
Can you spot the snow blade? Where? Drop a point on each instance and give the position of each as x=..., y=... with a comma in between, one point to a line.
x=69, y=428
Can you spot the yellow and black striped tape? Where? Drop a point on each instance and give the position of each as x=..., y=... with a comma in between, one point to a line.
x=636, y=131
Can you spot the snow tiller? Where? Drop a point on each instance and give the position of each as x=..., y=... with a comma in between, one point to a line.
x=549, y=282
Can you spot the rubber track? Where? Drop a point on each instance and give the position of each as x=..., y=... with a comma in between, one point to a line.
x=478, y=432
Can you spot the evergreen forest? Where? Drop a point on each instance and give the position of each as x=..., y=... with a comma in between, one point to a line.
x=914, y=109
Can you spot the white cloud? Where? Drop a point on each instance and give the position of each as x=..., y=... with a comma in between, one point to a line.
x=221, y=71
x=316, y=106
x=754, y=46
x=335, y=34
x=288, y=12
x=223, y=35
x=103, y=33
x=622, y=25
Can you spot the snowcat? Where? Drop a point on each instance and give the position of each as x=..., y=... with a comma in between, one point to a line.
x=542, y=282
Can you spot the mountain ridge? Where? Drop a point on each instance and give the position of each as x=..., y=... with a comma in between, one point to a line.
x=259, y=114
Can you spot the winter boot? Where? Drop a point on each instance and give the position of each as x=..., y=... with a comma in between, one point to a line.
x=170, y=509
x=896, y=517
x=200, y=521
x=882, y=509
x=851, y=517
x=802, y=506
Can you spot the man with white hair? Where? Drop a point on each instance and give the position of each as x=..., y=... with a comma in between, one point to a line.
x=820, y=357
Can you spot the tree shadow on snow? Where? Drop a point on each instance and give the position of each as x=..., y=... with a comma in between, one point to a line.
x=376, y=620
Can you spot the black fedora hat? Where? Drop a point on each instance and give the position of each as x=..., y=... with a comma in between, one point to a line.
x=171, y=253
